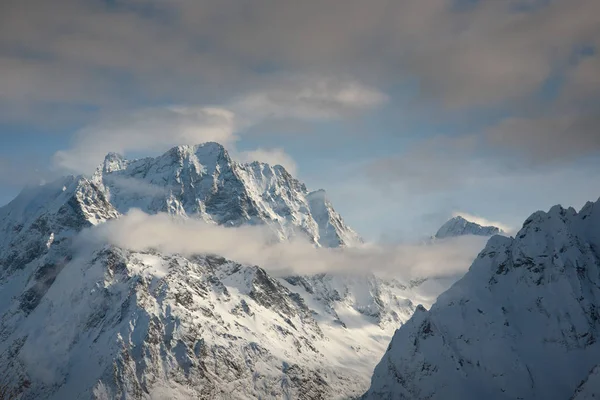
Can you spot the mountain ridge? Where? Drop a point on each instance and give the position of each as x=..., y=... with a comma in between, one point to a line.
x=527, y=307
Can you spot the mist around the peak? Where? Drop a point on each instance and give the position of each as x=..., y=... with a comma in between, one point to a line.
x=255, y=245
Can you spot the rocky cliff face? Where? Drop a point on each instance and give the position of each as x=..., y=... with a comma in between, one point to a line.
x=523, y=323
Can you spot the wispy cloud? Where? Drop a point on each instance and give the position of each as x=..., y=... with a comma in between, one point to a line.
x=254, y=245
x=309, y=98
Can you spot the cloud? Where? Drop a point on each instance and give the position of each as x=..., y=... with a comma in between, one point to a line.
x=549, y=138
x=157, y=129
x=582, y=82
x=514, y=145
x=491, y=52
x=254, y=245
x=460, y=53
x=310, y=98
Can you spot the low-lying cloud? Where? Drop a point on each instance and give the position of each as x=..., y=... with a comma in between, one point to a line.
x=254, y=245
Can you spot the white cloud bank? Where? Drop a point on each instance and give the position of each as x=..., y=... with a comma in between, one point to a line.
x=253, y=245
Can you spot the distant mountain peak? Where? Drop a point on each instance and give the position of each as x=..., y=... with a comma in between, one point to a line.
x=459, y=226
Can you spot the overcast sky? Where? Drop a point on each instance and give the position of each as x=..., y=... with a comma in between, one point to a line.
x=405, y=111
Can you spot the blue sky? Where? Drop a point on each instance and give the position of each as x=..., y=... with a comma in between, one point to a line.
x=405, y=111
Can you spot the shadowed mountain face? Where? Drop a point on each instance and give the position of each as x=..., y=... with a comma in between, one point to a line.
x=107, y=322
x=459, y=226
x=523, y=323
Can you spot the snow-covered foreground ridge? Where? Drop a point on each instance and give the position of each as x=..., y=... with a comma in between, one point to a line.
x=523, y=323
x=97, y=319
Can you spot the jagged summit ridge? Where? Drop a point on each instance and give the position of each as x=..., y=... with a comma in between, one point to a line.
x=459, y=226
x=522, y=323
x=202, y=181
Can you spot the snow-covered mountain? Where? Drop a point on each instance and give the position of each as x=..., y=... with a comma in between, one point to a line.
x=458, y=226
x=99, y=321
x=523, y=323
x=204, y=182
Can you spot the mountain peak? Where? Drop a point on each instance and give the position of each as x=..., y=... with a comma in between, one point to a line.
x=202, y=181
x=459, y=226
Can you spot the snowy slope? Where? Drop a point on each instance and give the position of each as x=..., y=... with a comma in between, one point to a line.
x=523, y=322
x=135, y=324
x=459, y=226
x=386, y=302
x=589, y=389
x=204, y=182
x=36, y=229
